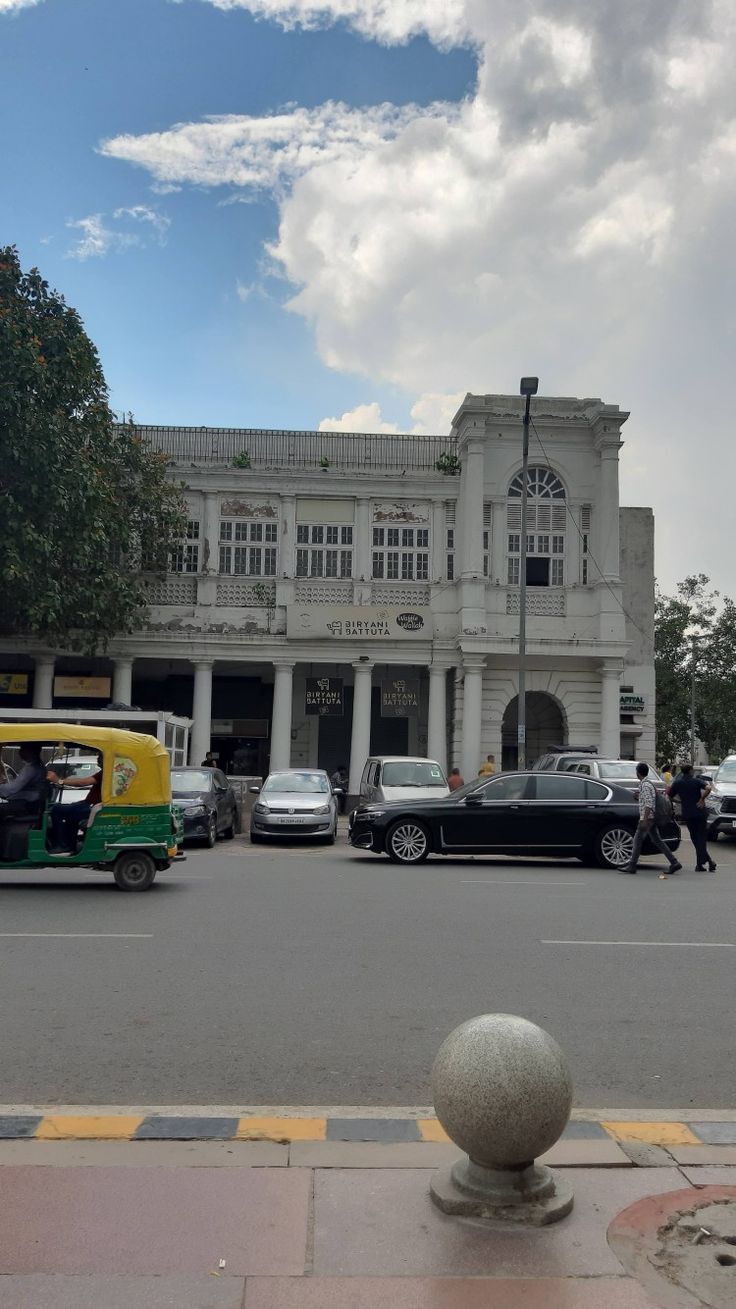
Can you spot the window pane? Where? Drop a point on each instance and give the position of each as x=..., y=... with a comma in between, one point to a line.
x=269, y=562
x=318, y=535
x=224, y=558
x=392, y=566
x=346, y=536
x=254, y=562
x=560, y=786
x=331, y=537
x=302, y=563
x=378, y=536
x=256, y=531
x=330, y=563
x=346, y=563
x=271, y=532
x=558, y=545
x=422, y=568
x=450, y=568
x=316, y=563
x=407, y=536
x=240, y=558
x=392, y=536
x=558, y=572
x=451, y=538
x=511, y=786
x=302, y=534
x=407, y=567
x=514, y=543
x=241, y=531
x=423, y=537
x=543, y=545
x=513, y=572
x=377, y=564
x=226, y=531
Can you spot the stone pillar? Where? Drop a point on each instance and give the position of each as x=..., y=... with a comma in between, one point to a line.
x=470, y=760
x=43, y=682
x=360, y=741
x=437, y=716
x=606, y=510
x=362, y=570
x=610, y=741
x=439, y=541
x=122, y=681
x=283, y=683
x=199, y=742
x=210, y=555
x=470, y=509
x=287, y=546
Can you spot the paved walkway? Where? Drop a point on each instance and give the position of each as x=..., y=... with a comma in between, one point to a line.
x=322, y=1223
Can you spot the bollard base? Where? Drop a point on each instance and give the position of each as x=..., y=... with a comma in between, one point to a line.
x=532, y=1196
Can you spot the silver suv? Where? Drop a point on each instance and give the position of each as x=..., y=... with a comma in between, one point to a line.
x=720, y=805
x=616, y=772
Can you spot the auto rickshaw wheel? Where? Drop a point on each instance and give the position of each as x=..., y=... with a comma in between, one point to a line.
x=134, y=870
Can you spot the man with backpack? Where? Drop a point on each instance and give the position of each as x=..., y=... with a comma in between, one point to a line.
x=692, y=792
x=647, y=826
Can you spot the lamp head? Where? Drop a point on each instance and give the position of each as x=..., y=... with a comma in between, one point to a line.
x=528, y=386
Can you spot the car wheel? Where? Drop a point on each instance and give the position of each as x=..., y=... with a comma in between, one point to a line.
x=614, y=846
x=229, y=832
x=407, y=842
x=211, y=836
x=134, y=871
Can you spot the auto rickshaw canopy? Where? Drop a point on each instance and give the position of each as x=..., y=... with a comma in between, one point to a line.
x=135, y=767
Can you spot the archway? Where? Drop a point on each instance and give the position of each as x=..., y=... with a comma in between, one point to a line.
x=545, y=726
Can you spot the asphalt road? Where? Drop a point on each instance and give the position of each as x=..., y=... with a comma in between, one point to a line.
x=309, y=976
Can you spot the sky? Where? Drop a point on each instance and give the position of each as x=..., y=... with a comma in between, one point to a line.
x=348, y=213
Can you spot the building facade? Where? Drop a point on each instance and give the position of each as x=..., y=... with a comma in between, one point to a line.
x=340, y=594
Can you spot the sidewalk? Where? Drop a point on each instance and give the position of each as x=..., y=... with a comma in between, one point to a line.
x=326, y=1223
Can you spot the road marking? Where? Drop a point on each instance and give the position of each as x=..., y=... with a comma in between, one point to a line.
x=698, y=945
x=95, y=936
x=512, y=881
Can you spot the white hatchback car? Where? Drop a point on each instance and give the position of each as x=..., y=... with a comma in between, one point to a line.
x=402, y=777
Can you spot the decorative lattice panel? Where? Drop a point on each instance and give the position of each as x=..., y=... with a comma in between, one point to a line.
x=174, y=591
x=400, y=595
x=253, y=594
x=324, y=593
x=540, y=604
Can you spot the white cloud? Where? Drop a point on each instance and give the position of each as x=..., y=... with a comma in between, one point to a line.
x=363, y=418
x=98, y=238
x=12, y=6
x=389, y=21
x=432, y=412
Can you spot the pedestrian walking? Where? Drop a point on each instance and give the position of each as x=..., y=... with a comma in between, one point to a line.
x=488, y=768
x=692, y=791
x=667, y=774
x=647, y=825
x=455, y=781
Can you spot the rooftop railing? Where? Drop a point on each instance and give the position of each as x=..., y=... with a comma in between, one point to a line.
x=263, y=448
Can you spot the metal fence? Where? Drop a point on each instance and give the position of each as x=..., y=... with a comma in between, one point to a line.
x=261, y=448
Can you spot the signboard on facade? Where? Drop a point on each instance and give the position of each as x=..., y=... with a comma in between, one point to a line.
x=364, y=623
x=82, y=688
x=632, y=704
x=13, y=683
x=399, y=697
x=324, y=697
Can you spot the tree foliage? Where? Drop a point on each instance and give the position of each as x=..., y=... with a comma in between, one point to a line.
x=695, y=611
x=84, y=505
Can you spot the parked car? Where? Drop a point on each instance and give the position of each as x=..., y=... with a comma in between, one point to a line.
x=402, y=777
x=720, y=805
x=294, y=802
x=618, y=772
x=207, y=803
x=530, y=813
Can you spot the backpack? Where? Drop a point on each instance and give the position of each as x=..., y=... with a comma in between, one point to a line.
x=663, y=811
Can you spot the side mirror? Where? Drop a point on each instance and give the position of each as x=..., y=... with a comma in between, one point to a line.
x=475, y=798
x=254, y=790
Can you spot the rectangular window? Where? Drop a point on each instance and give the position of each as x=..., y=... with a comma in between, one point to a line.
x=513, y=572
x=248, y=558
x=558, y=545
x=185, y=555
x=558, y=572
x=402, y=553
x=318, y=555
x=514, y=543
x=450, y=568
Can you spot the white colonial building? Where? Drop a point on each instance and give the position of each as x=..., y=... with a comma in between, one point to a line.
x=341, y=594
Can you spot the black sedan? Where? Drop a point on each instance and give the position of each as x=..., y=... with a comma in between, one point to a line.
x=207, y=803
x=532, y=813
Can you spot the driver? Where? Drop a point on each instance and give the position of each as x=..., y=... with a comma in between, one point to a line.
x=64, y=819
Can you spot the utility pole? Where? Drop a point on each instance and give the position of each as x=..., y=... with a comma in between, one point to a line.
x=692, y=701
x=527, y=387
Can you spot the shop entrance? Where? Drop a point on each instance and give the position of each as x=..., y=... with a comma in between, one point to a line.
x=545, y=726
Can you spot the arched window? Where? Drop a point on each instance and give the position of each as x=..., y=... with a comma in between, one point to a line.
x=546, y=526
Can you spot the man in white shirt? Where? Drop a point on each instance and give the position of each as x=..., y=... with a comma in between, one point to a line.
x=647, y=826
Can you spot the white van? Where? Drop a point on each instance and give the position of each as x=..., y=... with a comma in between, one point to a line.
x=402, y=777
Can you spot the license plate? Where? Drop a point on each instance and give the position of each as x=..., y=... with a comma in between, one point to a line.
x=293, y=818
x=733, y=824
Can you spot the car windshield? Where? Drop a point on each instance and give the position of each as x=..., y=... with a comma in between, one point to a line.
x=299, y=783
x=727, y=771
x=410, y=772
x=625, y=770
x=186, y=783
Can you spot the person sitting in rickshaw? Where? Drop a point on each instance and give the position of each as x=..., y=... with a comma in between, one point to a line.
x=22, y=796
x=64, y=819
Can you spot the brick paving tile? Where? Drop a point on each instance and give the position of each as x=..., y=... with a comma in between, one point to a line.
x=154, y=1220
x=372, y=1129
x=715, y=1133
x=444, y=1293
x=384, y=1221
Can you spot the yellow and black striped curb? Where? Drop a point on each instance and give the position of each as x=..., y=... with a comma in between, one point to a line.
x=128, y=1126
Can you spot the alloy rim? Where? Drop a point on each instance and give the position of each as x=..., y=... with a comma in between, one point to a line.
x=136, y=870
x=617, y=846
x=408, y=842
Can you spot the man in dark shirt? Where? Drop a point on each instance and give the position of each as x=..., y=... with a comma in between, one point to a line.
x=64, y=819
x=23, y=794
x=692, y=792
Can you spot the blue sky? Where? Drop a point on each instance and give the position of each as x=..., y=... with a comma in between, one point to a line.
x=348, y=213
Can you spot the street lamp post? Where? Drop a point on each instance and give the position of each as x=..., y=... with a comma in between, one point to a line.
x=527, y=387
x=694, y=638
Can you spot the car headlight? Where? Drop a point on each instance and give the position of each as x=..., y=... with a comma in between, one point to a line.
x=323, y=809
x=260, y=808
x=195, y=809
x=369, y=815
x=713, y=803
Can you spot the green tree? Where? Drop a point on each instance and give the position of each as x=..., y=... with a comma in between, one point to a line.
x=85, y=507
x=695, y=610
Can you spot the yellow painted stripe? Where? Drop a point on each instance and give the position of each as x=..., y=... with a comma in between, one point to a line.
x=253, y=1128
x=113, y=1127
x=431, y=1130
x=652, y=1133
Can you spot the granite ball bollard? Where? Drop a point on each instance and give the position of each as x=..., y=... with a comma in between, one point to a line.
x=502, y=1091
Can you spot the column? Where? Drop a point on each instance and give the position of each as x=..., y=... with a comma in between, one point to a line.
x=470, y=759
x=610, y=710
x=607, y=509
x=122, y=681
x=470, y=508
x=437, y=715
x=43, y=682
x=210, y=560
x=287, y=545
x=362, y=553
x=283, y=682
x=199, y=742
x=360, y=740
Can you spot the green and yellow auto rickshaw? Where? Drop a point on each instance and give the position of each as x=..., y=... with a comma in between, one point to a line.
x=132, y=829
